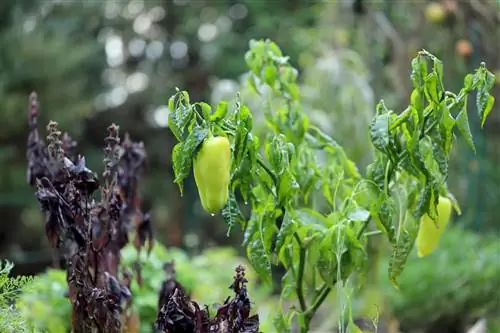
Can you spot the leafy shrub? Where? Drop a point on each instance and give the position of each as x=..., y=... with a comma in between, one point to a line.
x=10, y=288
x=451, y=286
x=310, y=204
x=46, y=306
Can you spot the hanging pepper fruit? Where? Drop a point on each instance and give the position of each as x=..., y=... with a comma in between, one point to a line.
x=212, y=166
x=429, y=234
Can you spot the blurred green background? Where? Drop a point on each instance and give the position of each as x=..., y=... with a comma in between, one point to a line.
x=97, y=62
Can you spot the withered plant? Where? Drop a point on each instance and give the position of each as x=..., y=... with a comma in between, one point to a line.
x=90, y=232
x=178, y=313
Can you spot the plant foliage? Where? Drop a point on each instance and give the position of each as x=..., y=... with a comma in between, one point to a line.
x=296, y=165
x=10, y=289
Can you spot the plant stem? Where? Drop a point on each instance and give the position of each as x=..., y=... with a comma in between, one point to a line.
x=363, y=228
x=300, y=278
x=372, y=233
x=267, y=170
x=319, y=299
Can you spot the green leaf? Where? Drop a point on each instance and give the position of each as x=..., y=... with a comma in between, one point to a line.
x=244, y=173
x=441, y=159
x=431, y=89
x=327, y=251
x=401, y=118
x=288, y=285
x=416, y=100
x=270, y=73
x=275, y=49
x=220, y=112
x=484, y=101
x=293, y=90
x=382, y=211
x=286, y=230
x=180, y=115
x=280, y=323
x=446, y=126
x=438, y=69
x=468, y=83
x=402, y=248
x=418, y=71
x=312, y=218
x=339, y=243
x=279, y=152
x=251, y=229
x=259, y=257
x=487, y=109
x=462, y=122
x=358, y=214
x=288, y=186
x=241, y=140
x=171, y=103
x=426, y=151
x=427, y=202
x=376, y=171
x=333, y=177
x=205, y=109
x=231, y=213
x=181, y=167
x=454, y=203
x=379, y=131
x=184, y=152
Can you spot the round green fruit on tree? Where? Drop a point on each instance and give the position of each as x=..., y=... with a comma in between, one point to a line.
x=435, y=12
x=212, y=167
x=430, y=231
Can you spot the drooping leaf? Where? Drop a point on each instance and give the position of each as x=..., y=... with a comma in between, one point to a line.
x=205, y=108
x=286, y=230
x=462, y=121
x=382, y=211
x=426, y=150
x=418, y=71
x=431, y=89
x=327, y=251
x=288, y=186
x=181, y=114
x=259, y=257
x=251, y=228
x=427, y=202
x=184, y=152
x=231, y=213
x=220, y=112
x=487, y=109
x=376, y=170
x=484, y=100
x=279, y=152
x=379, y=131
x=402, y=247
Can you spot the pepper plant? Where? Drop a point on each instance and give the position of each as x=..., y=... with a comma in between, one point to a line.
x=302, y=203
